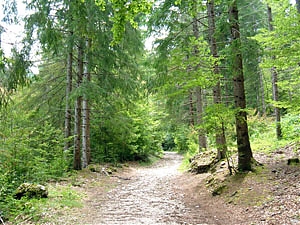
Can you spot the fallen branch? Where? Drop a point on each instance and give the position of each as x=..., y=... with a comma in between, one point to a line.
x=105, y=172
x=2, y=221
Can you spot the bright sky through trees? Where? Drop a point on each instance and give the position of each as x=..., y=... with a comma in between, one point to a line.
x=12, y=34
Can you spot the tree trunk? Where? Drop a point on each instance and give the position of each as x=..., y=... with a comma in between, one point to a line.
x=244, y=150
x=275, y=99
x=263, y=101
x=68, y=113
x=274, y=75
x=78, y=108
x=220, y=134
x=199, y=101
x=201, y=131
x=191, y=109
x=86, y=152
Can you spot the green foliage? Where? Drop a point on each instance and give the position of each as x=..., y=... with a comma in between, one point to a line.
x=282, y=52
x=60, y=196
x=127, y=134
x=291, y=127
x=124, y=12
x=10, y=11
x=263, y=134
x=219, y=118
x=168, y=143
x=13, y=74
x=41, y=210
x=185, y=139
x=29, y=152
x=186, y=144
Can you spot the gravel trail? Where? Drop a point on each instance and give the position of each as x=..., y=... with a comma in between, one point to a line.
x=149, y=197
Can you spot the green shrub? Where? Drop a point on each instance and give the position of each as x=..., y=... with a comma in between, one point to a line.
x=30, y=152
x=291, y=127
x=131, y=134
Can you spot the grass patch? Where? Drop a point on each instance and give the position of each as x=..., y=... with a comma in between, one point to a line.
x=263, y=138
x=185, y=165
x=43, y=210
x=62, y=197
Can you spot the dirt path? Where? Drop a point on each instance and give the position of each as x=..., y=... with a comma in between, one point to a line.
x=148, y=195
x=161, y=195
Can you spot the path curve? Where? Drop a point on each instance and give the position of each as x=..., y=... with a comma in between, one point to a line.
x=149, y=197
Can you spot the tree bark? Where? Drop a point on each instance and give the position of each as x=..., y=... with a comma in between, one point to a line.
x=199, y=101
x=191, y=109
x=263, y=101
x=201, y=132
x=78, y=108
x=86, y=152
x=244, y=149
x=275, y=91
x=217, y=98
x=68, y=112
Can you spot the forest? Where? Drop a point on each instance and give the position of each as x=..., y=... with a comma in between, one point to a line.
x=97, y=82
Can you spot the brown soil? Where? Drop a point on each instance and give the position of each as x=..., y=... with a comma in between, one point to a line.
x=160, y=194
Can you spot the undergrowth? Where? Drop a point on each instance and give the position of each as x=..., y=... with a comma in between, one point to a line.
x=44, y=209
x=262, y=131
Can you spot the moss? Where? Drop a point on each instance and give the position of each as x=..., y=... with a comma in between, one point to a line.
x=218, y=190
x=31, y=191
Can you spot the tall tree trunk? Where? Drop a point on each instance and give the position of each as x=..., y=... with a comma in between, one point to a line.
x=275, y=99
x=191, y=109
x=244, y=150
x=199, y=101
x=68, y=113
x=201, y=132
x=220, y=133
x=78, y=108
x=263, y=101
x=86, y=152
x=274, y=75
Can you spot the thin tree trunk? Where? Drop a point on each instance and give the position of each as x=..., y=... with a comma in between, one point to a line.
x=220, y=133
x=275, y=99
x=191, y=109
x=68, y=113
x=86, y=152
x=199, y=100
x=201, y=132
x=263, y=101
x=244, y=150
x=274, y=75
x=78, y=108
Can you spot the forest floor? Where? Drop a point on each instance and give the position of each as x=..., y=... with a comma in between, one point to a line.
x=160, y=194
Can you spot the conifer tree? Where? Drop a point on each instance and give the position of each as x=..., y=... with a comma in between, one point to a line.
x=244, y=149
x=217, y=98
x=274, y=75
